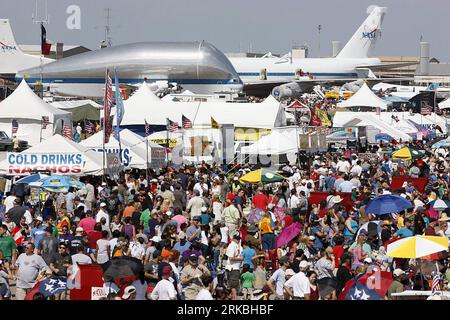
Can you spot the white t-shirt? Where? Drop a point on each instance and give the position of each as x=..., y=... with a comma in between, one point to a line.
x=342, y=166
x=293, y=201
x=204, y=294
x=102, y=255
x=137, y=250
x=28, y=217
x=299, y=284
x=224, y=234
x=164, y=290
x=100, y=215
x=233, y=250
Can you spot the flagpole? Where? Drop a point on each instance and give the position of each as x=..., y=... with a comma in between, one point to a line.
x=104, y=126
x=40, y=133
x=146, y=163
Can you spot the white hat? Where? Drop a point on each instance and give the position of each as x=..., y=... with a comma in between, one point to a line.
x=303, y=181
x=337, y=199
x=270, y=206
x=128, y=292
x=103, y=183
x=39, y=219
x=169, y=213
x=368, y=260
x=303, y=264
x=154, y=180
x=289, y=272
x=102, y=204
x=204, y=209
x=398, y=272
x=317, y=157
x=235, y=178
x=79, y=230
x=156, y=239
x=311, y=238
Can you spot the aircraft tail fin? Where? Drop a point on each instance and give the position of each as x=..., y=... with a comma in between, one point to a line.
x=7, y=42
x=362, y=43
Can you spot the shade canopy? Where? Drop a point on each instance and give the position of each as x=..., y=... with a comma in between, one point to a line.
x=387, y=203
x=417, y=246
x=364, y=98
x=262, y=176
x=408, y=153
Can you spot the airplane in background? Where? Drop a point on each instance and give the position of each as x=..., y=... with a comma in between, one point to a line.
x=287, y=75
x=12, y=58
x=197, y=66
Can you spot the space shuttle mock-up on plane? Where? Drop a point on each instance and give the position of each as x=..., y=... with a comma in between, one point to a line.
x=12, y=58
x=353, y=61
x=197, y=66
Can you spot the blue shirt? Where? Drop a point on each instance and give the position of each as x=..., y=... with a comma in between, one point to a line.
x=204, y=218
x=248, y=254
x=317, y=243
x=405, y=232
x=38, y=233
x=181, y=248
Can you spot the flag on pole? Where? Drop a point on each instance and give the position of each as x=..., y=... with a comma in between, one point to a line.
x=119, y=107
x=147, y=128
x=15, y=126
x=89, y=127
x=171, y=125
x=214, y=124
x=67, y=131
x=426, y=110
x=45, y=122
x=107, y=125
x=435, y=285
x=45, y=47
x=186, y=123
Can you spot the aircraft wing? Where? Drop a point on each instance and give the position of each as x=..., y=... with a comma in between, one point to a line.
x=387, y=66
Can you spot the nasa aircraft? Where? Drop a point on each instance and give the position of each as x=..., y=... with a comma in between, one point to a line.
x=293, y=75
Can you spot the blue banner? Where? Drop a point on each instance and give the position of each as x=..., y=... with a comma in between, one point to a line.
x=119, y=108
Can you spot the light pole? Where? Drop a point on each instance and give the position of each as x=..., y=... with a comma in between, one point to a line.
x=319, y=28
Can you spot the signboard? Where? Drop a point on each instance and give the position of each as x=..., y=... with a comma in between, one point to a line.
x=113, y=165
x=124, y=152
x=97, y=293
x=383, y=137
x=163, y=142
x=56, y=163
x=344, y=133
x=158, y=158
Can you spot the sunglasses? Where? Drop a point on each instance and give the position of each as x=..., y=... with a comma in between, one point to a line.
x=62, y=247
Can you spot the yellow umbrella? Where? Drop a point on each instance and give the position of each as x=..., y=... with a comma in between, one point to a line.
x=417, y=246
x=407, y=153
x=261, y=176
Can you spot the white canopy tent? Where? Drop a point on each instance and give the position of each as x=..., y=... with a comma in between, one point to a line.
x=71, y=104
x=131, y=157
x=57, y=144
x=28, y=109
x=444, y=104
x=364, y=98
x=282, y=141
x=267, y=114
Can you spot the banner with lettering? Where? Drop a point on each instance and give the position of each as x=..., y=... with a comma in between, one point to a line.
x=20, y=164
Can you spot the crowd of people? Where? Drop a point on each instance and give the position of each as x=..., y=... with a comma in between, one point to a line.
x=195, y=232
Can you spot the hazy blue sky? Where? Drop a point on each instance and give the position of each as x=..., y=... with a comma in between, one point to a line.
x=268, y=25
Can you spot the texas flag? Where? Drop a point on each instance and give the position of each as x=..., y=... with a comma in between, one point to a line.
x=370, y=286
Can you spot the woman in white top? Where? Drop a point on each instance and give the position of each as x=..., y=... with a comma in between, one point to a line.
x=103, y=248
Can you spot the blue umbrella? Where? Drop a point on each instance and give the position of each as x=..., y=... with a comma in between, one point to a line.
x=31, y=178
x=60, y=183
x=387, y=203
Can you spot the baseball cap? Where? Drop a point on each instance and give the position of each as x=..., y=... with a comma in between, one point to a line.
x=128, y=292
x=102, y=204
x=398, y=272
x=156, y=239
x=79, y=230
x=368, y=260
x=311, y=238
x=103, y=183
x=169, y=213
x=204, y=209
x=270, y=206
x=235, y=178
x=193, y=257
x=39, y=219
x=303, y=264
x=289, y=272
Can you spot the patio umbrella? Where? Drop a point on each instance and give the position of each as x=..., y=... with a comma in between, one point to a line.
x=387, y=203
x=417, y=246
x=408, y=153
x=442, y=144
x=31, y=178
x=370, y=286
x=122, y=269
x=48, y=287
x=440, y=204
x=261, y=176
x=288, y=234
x=57, y=183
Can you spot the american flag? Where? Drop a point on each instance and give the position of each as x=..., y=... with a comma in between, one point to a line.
x=45, y=122
x=67, y=131
x=185, y=122
x=171, y=125
x=426, y=110
x=435, y=285
x=89, y=127
x=15, y=126
x=147, y=128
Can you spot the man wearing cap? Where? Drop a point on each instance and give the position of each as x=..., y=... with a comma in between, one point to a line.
x=164, y=289
x=233, y=265
x=298, y=287
x=102, y=213
x=277, y=280
x=396, y=286
x=38, y=231
x=191, y=276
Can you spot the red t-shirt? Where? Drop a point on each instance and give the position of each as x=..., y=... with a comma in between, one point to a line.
x=243, y=232
x=93, y=237
x=338, y=251
x=260, y=201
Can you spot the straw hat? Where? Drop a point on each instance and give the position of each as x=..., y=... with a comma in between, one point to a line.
x=444, y=217
x=337, y=199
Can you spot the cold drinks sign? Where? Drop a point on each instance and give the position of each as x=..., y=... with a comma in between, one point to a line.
x=56, y=163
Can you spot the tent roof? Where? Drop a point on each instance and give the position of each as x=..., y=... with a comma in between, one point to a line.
x=23, y=103
x=131, y=139
x=444, y=104
x=142, y=95
x=277, y=142
x=71, y=104
x=364, y=98
x=267, y=114
x=59, y=144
